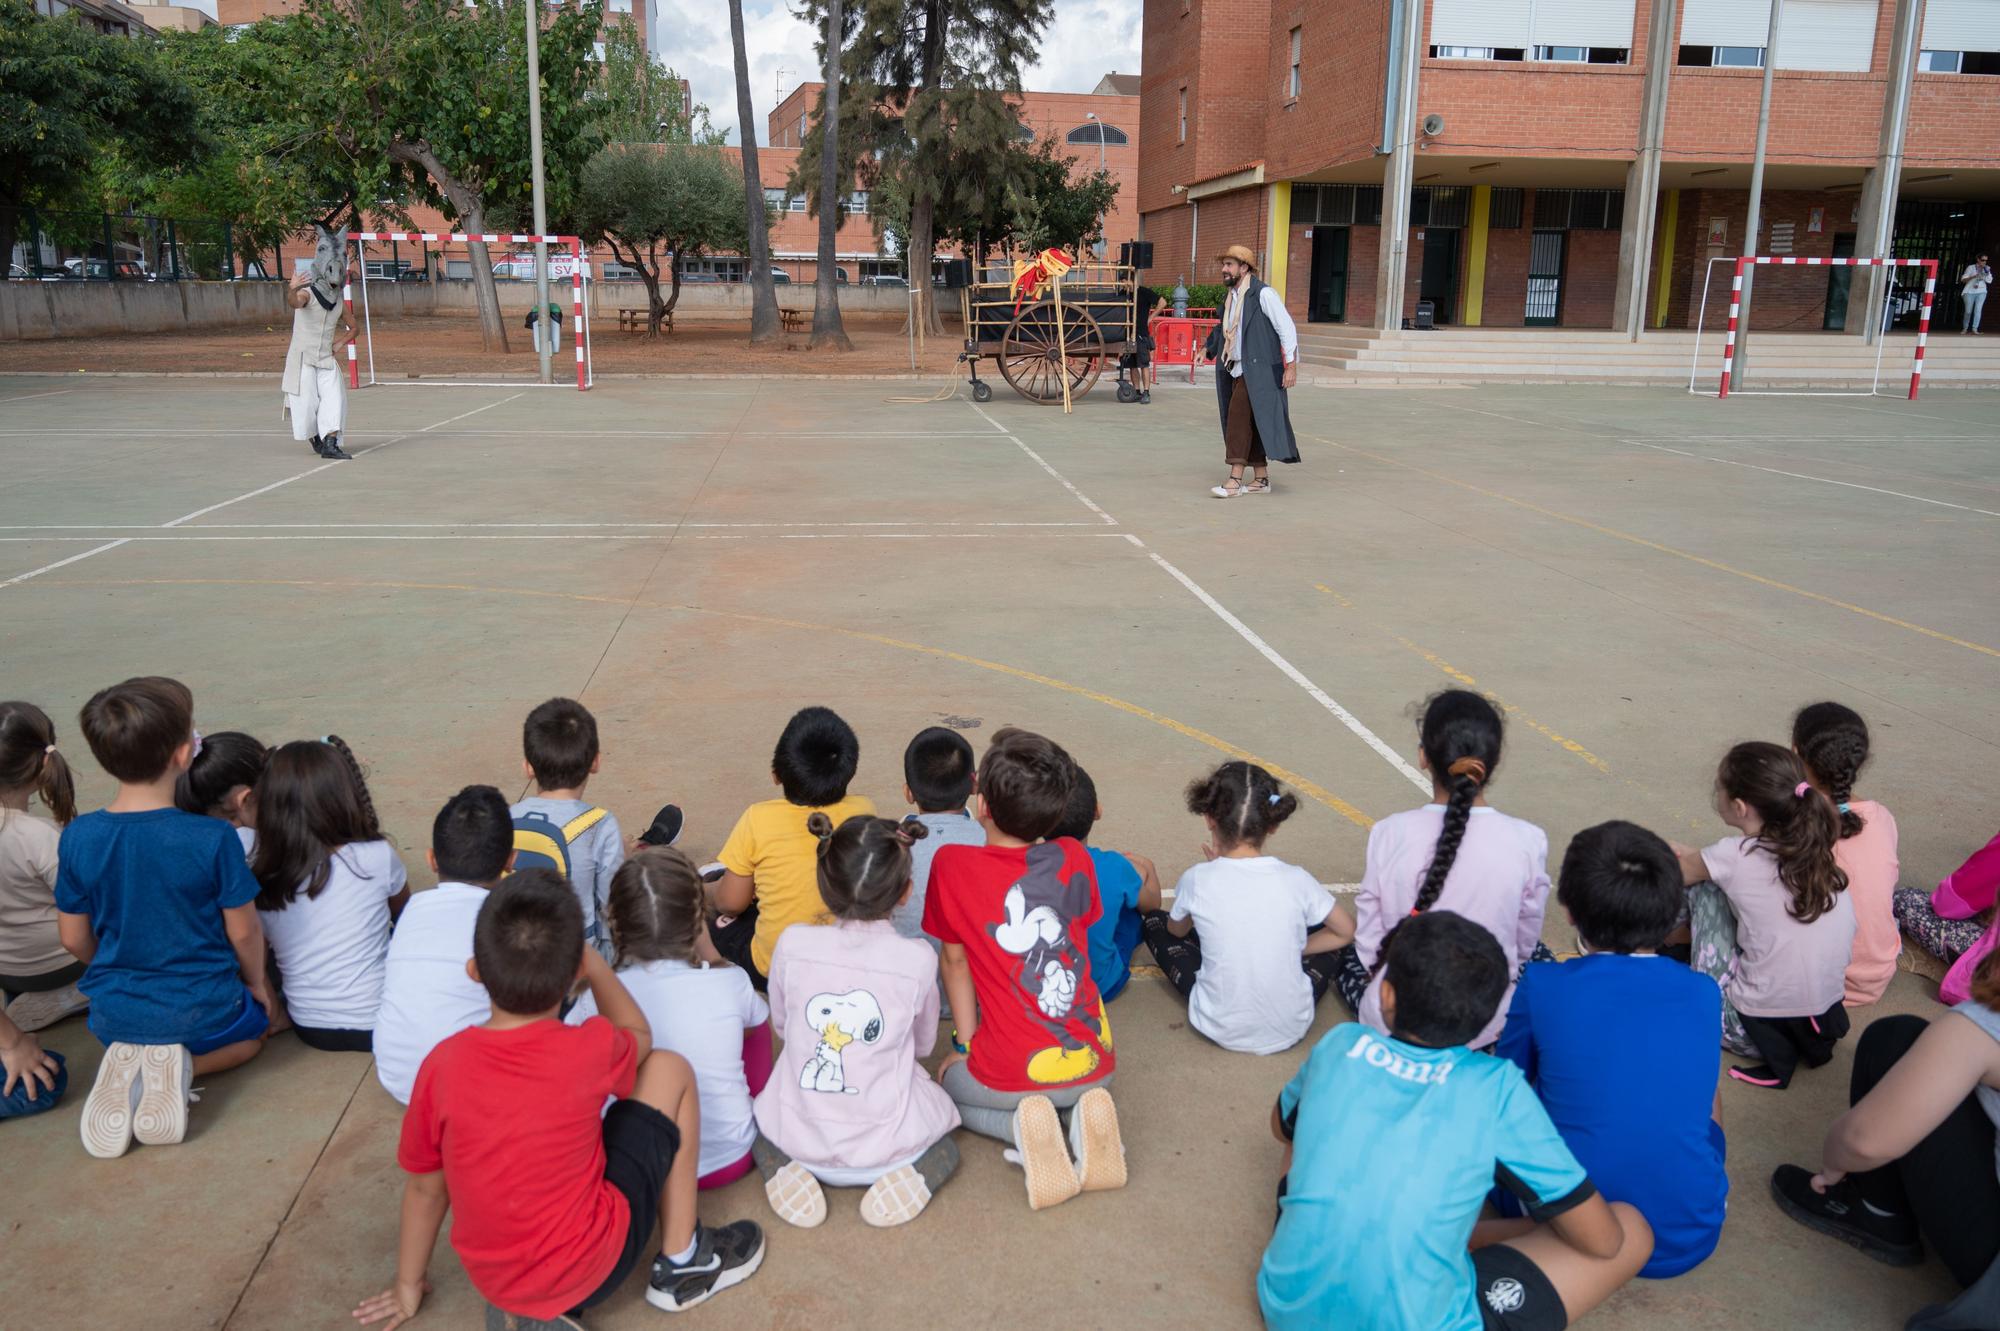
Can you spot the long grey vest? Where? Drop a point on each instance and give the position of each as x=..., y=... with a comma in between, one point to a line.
x=1263, y=368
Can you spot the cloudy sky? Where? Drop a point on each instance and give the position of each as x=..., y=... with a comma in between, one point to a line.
x=1088, y=39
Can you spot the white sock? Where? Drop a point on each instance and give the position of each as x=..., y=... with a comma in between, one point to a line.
x=1873, y=1209
x=686, y=1255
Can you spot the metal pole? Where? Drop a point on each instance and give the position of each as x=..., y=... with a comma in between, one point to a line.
x=1393, y=257
x=1751, y=224
x=542, y=339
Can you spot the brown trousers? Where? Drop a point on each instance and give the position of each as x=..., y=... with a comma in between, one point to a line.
x=1241, y=444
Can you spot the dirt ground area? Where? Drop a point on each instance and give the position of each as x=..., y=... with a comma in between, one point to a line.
x=446, y=346
x=1638, y=578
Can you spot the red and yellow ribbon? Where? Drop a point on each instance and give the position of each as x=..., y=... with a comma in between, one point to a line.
x=1031, y=279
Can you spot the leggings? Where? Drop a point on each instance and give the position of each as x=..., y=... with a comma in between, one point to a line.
x=990, y=1113
x=1947, y=940
x=757, y=1063
x=46, y=982
x=1180, y=958
x=1712, y=950
x=1945, y=1182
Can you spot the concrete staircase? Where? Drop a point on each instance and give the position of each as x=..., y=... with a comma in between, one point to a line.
x=1332, y=353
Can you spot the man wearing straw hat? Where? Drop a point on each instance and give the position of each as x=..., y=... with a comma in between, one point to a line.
x=1255, y=348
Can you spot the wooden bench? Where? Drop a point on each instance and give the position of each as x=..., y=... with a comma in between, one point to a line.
x=634, y=320
x=795, y=321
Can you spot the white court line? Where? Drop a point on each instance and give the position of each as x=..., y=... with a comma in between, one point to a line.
x=468, y=526
x=989, y=420
x=1264, y=649
x=1083, y=498
x=527, y=434
x=1823, y=480
x=23, y=397
x=50, y=568
x=187, y=534
x=314, y=471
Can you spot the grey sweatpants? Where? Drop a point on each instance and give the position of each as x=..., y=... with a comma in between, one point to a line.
x=990, y=1113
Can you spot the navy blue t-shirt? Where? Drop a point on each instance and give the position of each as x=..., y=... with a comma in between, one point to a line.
x=1622, y=1051
x=155, y=885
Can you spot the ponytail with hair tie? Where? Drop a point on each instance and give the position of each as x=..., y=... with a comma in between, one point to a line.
x=30, y=760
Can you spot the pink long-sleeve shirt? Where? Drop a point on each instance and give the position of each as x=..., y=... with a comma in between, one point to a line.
x=1966, y=891
x=1500, y=879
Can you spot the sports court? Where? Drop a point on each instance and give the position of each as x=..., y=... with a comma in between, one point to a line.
x=1638, y=576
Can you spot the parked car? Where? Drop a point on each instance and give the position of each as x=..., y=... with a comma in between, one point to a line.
x=413, y=275
x=780, y=277
x=16, y=270
x=885, y=281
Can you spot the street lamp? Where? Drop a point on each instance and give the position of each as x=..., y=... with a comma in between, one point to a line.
x=1092, y=117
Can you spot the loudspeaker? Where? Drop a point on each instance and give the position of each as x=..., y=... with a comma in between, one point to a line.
x=957, y=274
x=1136, y=254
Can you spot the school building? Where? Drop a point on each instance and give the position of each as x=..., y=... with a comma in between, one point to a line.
x=1572, y=163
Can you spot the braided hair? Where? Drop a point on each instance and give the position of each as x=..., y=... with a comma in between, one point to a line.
x=311, y=800
x=864, y=864
x=1833, y=741
x=1244, y=801
x=1461, y=737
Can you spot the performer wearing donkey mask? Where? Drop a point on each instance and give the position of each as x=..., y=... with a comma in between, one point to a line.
x=315, y=393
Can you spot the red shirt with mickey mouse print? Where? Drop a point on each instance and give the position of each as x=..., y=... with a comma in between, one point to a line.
x=1023, y=916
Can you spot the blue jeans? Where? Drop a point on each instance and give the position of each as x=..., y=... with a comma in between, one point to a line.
x=27, y=1098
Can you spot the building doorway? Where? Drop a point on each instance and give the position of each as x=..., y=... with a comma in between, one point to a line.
x=1326, y=302
x=1838, y=282
x=1439, y=283
x=1545, y=274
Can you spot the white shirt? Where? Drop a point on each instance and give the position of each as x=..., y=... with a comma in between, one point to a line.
x=1274, y=309
x=1975, y=277
x=332, y=949
x=426, y=994
x=700, y=1012
x=1251, y=993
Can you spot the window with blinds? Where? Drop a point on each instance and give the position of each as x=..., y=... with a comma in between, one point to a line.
x=1815, y=34
x=1962, y=25
x=1526, y=24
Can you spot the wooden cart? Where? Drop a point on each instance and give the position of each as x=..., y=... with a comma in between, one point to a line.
x=1067, y=331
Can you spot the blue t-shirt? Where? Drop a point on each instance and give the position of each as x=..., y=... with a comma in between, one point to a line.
x=1394, y=1148
x=1621, y=1050
x=155, y=885
x=1116, y=932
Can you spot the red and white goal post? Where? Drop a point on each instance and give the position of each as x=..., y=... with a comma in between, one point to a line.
x=1930, y=267
x=579, y=275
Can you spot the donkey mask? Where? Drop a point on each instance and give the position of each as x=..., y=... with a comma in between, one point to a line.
x=329, y=265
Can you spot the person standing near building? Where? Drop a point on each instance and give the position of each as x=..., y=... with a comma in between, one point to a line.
x=315, y=396
x=1978, y=276
x=1255, y=348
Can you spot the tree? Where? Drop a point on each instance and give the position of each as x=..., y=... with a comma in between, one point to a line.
x=431, y=96
x=1048, y=205
x=827, y=333
x=641, y=100
x=67, y=95
x=763, y=293
x=646, y=199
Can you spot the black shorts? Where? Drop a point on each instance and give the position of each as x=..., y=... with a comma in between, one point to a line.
x=733, y=940
x=640, y=1144
x=330, y=1040
x=1513, y=1293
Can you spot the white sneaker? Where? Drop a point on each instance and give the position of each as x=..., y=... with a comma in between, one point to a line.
x=106, y=1124
x=166, y=1076
x=1094, y=1141
x=34, y=1012
x=1039, y=1151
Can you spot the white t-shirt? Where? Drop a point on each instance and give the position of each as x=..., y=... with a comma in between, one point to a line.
x=426, y=994
x=332, y=948
x=1251, y=994
x=700, y=1012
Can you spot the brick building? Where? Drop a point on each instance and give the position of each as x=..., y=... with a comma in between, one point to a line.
x=1575, y=162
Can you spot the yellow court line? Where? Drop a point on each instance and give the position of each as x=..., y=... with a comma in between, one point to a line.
x=1304, y=785
x=1692, y=558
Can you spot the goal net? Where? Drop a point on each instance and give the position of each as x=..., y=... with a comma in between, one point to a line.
x=1897, y=300
x=387, y=272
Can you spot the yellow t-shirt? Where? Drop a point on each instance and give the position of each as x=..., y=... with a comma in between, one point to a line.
x=771, y=846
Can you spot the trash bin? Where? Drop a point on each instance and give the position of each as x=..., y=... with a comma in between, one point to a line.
x=1426, y=314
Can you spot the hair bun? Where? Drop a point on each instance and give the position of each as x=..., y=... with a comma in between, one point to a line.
x=820, y=825
x=910, y=831
x=1471, y=767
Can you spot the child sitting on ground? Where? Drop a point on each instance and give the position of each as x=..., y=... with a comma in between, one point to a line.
x=857, y=1006
x=770, y=880
x=937, y=777
x=1251, y=939
x=1128, y=886
x=1832, y=741
x=707, y=1013
x=36, y=972
x=221, y=782
x=1956, y=923
x=161, y=905
x=1769, y=916
x=329, y=890
x=556, y=828
x=1392, y=1142
x=1456, y=853
x=1619, y=1043
x=426, y=992
x=554, y=1198
x=1014, y=918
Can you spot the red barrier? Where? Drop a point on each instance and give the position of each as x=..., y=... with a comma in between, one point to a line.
x=1180, y=341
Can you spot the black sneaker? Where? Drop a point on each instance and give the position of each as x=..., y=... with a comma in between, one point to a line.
x=1838, y=1213
x=665, y=828
x=722, y=1257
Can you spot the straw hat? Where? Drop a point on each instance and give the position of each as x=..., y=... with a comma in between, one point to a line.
x=1240, y=253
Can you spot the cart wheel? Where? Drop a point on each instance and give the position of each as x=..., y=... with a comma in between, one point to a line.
x=1034, y=356
x=1127, y=393
x=982, y=392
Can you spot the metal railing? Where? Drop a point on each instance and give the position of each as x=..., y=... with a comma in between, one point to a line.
x=131, y=247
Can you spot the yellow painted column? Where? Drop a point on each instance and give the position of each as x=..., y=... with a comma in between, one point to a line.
x=1278, y=242
x=1663, y=277
x=1475, y=255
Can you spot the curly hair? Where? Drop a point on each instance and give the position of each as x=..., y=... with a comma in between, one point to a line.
x=1245, y=802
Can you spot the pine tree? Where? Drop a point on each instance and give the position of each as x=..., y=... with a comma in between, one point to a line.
x=763, y=292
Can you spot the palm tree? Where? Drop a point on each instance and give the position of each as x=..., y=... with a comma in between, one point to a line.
x=763, y=294
x=827, y=333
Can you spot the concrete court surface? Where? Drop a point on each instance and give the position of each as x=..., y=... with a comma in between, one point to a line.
x=1638, y=576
